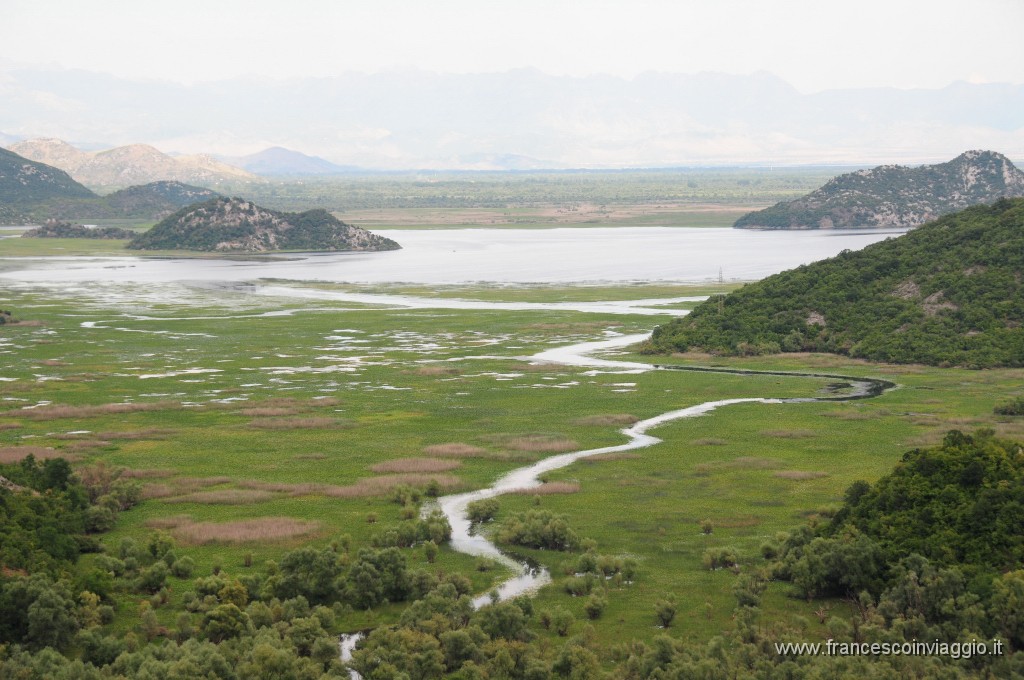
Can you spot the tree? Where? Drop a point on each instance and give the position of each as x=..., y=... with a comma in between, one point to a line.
x=314, y=574
x=225, y=621
x=665, y=611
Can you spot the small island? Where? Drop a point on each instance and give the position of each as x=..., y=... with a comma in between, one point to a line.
x=57, y=229
x=237, y=225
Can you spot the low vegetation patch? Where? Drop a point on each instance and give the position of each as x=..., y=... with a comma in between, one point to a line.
x=608, y=419
x=798, y=475
x=311, y=423
x=1011, y=408
x=539, y=443
x=244, y=531
x=381, y=486
x=620, y=455
x=59, y=411
x=267, y=411
x=225, y=497
x=415, y=465
x=14, y=454
x=549, y=488
x=455, y=450
x=788, y=434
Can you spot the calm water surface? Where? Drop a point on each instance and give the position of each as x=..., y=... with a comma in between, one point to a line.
x=451, y=256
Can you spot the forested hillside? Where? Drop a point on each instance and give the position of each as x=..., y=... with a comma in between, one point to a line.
x=948, y=293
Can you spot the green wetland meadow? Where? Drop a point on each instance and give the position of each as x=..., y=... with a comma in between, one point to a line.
x=250, y=428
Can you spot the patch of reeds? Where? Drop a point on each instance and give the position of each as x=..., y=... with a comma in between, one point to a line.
x=243, y=531
x=59, y=411
x=540, y=443
x=608, y=419
x=789, y=434
x=86, y=445
x=151, y=491
x=225, y=497
x=14, y=454
x=800, y=475
x=311, y=423
x=267, y=411
x=621, y=455
x=455, y=450
x=415, y=465
x=381, y=486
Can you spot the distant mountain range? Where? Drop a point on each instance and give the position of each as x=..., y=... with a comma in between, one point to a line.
x=237, y=225
x=130, y=165
x=31, y=191
x=896, y=196
x=947, y=293
x=412, y=119
x=280, y=162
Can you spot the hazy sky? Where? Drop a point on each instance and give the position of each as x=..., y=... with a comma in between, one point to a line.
x=812, y=44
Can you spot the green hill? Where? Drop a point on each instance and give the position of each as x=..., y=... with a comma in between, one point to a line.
x=153, y=201
x=234, y=224
x=25, y=184
x=948, y=293
x=896, y=196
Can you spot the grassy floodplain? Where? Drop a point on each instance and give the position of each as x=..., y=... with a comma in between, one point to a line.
x=300, y=417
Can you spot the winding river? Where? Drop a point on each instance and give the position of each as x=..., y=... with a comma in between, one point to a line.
x=529, y=577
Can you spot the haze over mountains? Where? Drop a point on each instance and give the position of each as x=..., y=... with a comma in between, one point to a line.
x=280, y=162
x=520, y=119
x=128, y=165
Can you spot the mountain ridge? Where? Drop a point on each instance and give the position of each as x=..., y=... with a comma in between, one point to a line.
x=129, y=165
x=895, y=195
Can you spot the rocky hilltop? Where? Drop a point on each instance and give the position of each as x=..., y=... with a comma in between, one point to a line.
x=129, y=165
x=25, y=184
x=237, y=225
x=950, y=292
x=895, y=195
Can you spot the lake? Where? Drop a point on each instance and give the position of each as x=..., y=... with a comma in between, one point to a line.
x=451, y=256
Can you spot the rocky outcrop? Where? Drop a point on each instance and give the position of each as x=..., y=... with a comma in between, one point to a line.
x=237, y=225
x=896, y=196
